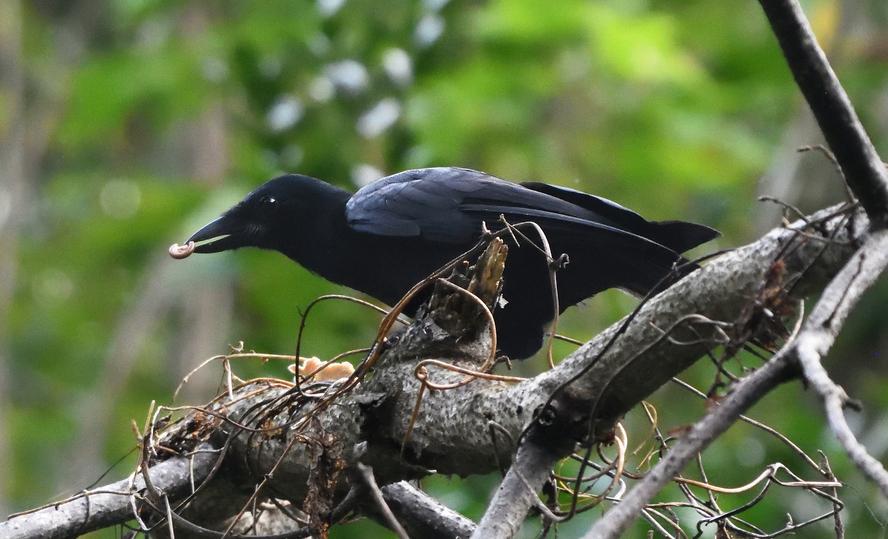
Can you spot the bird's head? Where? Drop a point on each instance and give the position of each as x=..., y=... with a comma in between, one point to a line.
x=272, y=209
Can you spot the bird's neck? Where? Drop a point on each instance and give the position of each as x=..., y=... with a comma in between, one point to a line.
x=321, y=240
x=320, y=233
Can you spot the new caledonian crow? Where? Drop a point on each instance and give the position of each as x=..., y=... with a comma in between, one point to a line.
x=395, y=231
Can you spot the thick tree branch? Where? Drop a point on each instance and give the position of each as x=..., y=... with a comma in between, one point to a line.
x=107, y=505
x=423, y=516
x=863, y=169
x=518, y=492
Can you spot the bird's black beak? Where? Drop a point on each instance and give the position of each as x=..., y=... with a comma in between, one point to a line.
x=222, y=234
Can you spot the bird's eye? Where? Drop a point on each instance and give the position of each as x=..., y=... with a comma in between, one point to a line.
x=267, y=201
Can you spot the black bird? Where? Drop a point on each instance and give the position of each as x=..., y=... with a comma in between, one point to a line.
x=397, y=230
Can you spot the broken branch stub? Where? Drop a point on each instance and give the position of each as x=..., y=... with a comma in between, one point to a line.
x=464, y=312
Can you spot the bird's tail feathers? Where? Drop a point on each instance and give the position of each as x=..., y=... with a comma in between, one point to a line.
x=680, y=236
x=654, y=273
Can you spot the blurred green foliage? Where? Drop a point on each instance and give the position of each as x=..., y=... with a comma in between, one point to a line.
x=674, y=108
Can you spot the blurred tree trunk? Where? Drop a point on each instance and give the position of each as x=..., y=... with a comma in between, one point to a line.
x=207, y=310
x=13, y=185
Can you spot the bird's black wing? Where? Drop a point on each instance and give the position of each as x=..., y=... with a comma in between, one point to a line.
x=421, y=202
x=606, y=210
x=447, y=204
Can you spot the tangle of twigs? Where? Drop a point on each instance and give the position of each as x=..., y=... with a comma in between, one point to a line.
x=578, y=483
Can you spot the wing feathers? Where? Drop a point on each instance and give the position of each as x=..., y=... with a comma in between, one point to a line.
x=534, y=214
x=448, y=204
x=677, y=235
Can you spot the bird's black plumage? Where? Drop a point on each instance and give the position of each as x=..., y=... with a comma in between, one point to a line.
x=394, y=232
